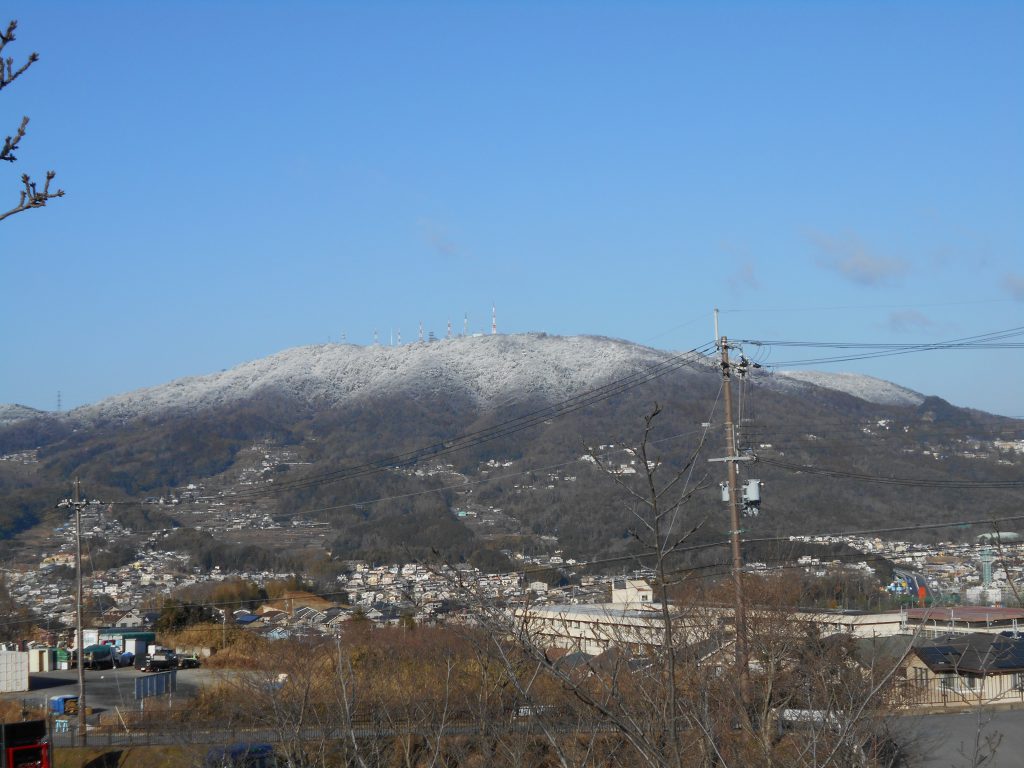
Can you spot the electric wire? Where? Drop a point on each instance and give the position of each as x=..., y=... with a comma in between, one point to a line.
x=990, y=340
x=903, y=481
x=489, y=434
x=803, y=537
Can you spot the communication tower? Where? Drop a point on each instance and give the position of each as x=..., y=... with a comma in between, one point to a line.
x=494, y=320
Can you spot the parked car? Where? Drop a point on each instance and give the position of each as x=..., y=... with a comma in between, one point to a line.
x=188, y=661
x=96, y=657
x=242, y=756
x=160, y=661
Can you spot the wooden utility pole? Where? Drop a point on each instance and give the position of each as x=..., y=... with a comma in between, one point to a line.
x=742, y=654
x=77, y=503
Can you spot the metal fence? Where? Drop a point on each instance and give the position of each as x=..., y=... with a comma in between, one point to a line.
x=64, y=732
x=960, y=691
x=153, y=736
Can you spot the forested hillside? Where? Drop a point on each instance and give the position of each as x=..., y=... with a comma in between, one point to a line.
x=386, y=466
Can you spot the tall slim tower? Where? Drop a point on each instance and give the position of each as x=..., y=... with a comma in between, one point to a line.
x=494, y=319
x=987, y=558
x=375, y=337
x=399, y=337
x=421, y=331
x=449, y=329
x=465, y=324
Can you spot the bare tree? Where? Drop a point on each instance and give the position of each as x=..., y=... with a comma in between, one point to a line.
x=30, y=196
x=661, y=691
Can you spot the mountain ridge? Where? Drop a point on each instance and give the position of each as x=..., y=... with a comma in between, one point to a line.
x=486, y=369
x=334, y=409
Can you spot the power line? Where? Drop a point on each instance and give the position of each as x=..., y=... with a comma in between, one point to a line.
x=843, y=307
x=990, y=340
x=904, y=481
x=411, y=494
x=489, y=434
x=639, y=556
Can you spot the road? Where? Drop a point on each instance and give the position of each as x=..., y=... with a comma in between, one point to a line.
x=915, y=581
x=942, y=741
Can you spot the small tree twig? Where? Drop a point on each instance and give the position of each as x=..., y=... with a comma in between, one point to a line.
x=31, y=196
x=8, y=74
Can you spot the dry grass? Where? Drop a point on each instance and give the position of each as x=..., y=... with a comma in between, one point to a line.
x=128, y=757
x=12, y=712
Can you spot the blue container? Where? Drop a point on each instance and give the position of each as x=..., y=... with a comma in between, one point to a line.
x=59, y=704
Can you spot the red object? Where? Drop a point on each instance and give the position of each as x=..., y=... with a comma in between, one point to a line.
x=921, y=594
x=29, y=756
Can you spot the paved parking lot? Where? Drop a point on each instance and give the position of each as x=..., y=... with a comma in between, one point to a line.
x=992, y=739
x=107, y=688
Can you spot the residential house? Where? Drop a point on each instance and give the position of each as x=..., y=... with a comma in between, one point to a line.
x=967, y=669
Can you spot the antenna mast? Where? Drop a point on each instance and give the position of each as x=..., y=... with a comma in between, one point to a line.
x=494, y=319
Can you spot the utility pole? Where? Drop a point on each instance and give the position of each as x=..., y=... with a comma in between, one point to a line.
x=742, y=654
x=77, y=503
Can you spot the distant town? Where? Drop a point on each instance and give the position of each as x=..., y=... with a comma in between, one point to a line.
x=982, y=572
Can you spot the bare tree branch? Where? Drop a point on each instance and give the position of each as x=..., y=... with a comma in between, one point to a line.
x=11, y=142
x=31, y=196
x=7, y=72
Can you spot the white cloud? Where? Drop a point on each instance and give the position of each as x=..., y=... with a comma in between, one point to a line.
x=745, y=276
x=1014, y=285
x=438, y=238
x=853, y=260
x=909, y=320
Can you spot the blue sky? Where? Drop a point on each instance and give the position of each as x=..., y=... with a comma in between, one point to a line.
x=243, y=177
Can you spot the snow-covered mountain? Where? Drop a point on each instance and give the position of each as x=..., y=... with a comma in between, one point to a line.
x=486, y=370
x=12, y=413
x=339, y=405
x=866, y=388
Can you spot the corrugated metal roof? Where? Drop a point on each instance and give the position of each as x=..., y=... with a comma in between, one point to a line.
x=967, y=613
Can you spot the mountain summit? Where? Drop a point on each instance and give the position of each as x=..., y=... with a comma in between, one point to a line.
x=485, y=370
